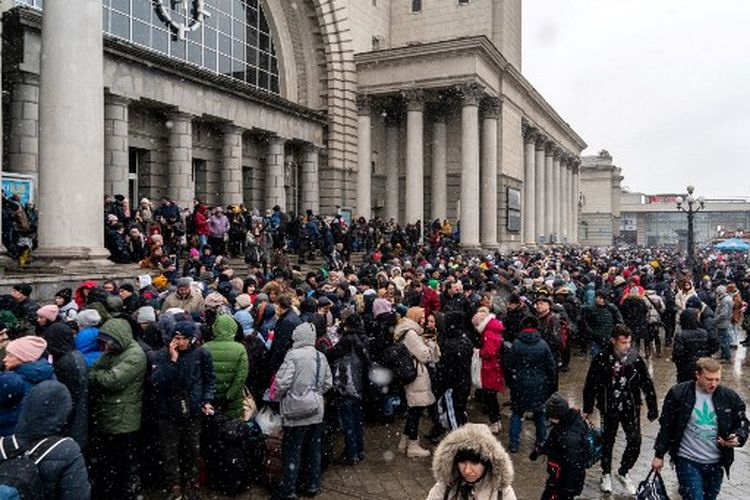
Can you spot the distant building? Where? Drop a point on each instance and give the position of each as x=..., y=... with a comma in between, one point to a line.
x=599, y=200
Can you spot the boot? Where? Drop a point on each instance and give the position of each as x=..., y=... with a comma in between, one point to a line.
x=414, y=450
x=402, y=445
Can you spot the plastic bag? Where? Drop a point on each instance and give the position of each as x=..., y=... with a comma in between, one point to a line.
x=476, y=369
x=652, y=488
x=268, y=420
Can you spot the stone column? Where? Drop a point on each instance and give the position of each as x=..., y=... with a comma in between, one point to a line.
x=414, y=207
x=116, y=154
x=439, y=187
x=557, y=206
x=549, y=193
x=541, y=167
x=576, y=194
x=23, y=140
x=564, y=200
x=3, y=250
x=488, y=193
x=470, y=95
x=572, y=202
x=180, y=176
x=529, y=186
x=71, y=126
x=310, y=182
x=391, y=167
x=364, y=158
x=231, y=166
x=275, y=192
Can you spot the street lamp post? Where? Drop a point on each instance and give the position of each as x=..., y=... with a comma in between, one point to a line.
x=694, y=205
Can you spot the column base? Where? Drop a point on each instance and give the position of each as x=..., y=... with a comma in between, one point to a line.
x=70, y=258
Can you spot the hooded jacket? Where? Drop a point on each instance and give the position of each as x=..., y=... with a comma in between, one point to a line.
x=62, y=470
x=230, y=364
x=691, y=344
x=117, y=381
x=498, y=478
x=190, y=304
x=71, y=370
x=14, y=386
x=297, y=372
x=85, y=342
x=566, y=449
x=533, y=372
x=491, y=330
x=419, y=391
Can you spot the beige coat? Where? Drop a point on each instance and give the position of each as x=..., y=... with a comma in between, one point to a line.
x=419, y=392
x=191, y=304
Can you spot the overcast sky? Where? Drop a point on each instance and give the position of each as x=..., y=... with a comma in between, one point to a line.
x=663, y=85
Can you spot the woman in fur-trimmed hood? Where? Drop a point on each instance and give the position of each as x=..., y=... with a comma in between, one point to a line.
x=470, y=464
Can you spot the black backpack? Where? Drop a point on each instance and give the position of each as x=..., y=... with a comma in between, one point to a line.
x=19, y=471
x=400, y=361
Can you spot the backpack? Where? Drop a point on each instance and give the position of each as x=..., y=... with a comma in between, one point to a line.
x=403, y=365
x=594, y=445
x=19, y=473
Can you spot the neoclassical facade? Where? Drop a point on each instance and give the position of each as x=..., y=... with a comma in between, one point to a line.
x=399, y=109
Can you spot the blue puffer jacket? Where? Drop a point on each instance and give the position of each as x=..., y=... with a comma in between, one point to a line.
x=532, y=370
x=87, y=345
x=62, y=470
x=14, y=386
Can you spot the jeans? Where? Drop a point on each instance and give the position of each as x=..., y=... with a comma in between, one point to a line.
x=698, y=481
x=413, y=414
x=203, y=241
x=631, y=424
x=300, y=456
x=180, y=447
x=515, y=428
x=351, y=421
x=725, y=337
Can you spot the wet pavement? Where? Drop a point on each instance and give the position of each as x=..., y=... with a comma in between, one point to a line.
x=386, y=474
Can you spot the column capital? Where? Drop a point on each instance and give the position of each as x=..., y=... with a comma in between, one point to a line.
x=309, y=148
x=415, y=99
x=231, y=128
x=541, y=141
x=177, y=115
x=492, y=107
x=116, y=99
x=529, y=132
x=549, y=148
x=470, y=93
x=364, y=104
x=558, y=152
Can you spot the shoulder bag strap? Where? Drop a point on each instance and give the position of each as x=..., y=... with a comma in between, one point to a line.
x=317, y=369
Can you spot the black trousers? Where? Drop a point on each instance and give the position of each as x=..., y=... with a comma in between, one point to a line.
x=489, y=398
x=114, y=466
x=180, y=448
x=413, y=414
x=630, y=419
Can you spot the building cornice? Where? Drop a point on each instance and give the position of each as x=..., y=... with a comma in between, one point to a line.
x=484, y=48
x=135, y=54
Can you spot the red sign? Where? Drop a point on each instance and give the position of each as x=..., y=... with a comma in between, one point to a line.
x=662, y=198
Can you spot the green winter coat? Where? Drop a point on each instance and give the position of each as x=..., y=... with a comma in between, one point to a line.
x=117, y=381
x=230, y=365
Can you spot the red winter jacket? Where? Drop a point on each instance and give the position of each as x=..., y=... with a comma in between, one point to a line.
x=492, y=341
x=430, y=300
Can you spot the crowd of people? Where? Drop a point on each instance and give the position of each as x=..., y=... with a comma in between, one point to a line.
x=151, y=374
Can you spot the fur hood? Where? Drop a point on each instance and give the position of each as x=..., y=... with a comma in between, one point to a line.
x=478, y=438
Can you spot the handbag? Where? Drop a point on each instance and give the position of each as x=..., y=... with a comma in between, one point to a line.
x=652, y=488
x=249, y=408
x=305, y=405
x=476, y=369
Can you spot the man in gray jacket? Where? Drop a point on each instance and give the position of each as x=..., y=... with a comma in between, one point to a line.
x=304, y=369
x=723, y=320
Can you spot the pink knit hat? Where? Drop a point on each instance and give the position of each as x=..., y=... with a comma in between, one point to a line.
x=27, y=349
x=48, y=312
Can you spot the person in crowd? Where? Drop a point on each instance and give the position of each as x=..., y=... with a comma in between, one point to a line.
x=24, y=368
x=453, y=369
x=566, y=448
x=691, y=344
x=67, y=309
x=86, y=342
x=185, y=297
x=116, y=382
x=550, y=326
x=183, y=383
x=516, y=311
x=302, y=379
x=25, y=306
x=470, y=463
x=493, y=379
x=419, y=394
x=287, y=320
x=614, y=382
x=635, y=316
x=599, y=320
x=723, y=321
x=533, y=377
x=701, y=424
x=41, y=425
x=230, y=366
x=46, y=316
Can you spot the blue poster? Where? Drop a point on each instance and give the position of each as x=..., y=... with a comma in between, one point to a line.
x=18, y=185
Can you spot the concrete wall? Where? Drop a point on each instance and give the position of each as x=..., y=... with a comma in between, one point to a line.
x=370, y=18
x=438, y=20
x=507, y=30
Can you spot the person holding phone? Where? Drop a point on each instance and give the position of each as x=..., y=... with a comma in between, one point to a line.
x=184, y=382
x=701, y=424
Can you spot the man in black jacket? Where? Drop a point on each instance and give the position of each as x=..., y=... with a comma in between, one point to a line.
x=701, y=424
x=615, y=380
x=287, y=321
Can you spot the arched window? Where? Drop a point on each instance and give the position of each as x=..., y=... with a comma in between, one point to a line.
x=235, y=39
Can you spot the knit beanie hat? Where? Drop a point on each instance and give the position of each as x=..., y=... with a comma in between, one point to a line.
x=145, y=314
x=48, y=312
x=381, y=306
x=215, y=299
x=556, y=406
x=27, y=349
x=88, y=317
x=243, y=301
x=66, y=294
x=184, y=328
x=23, y=288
